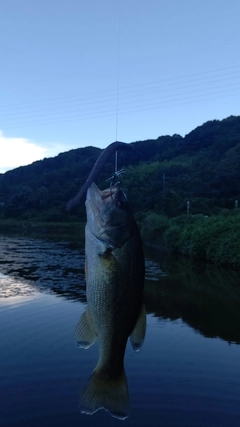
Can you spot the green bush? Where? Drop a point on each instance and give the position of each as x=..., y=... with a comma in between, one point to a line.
x=216, y=238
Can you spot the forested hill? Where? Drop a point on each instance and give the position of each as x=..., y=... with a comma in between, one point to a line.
x=162, y=175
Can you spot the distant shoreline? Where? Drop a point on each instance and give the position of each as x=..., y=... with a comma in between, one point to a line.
x=214, y=239
x=70, y=230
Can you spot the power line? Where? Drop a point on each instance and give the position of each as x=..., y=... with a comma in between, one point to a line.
x=166, y=93
x=108, y=111
x=162, y=84
x=130, y=98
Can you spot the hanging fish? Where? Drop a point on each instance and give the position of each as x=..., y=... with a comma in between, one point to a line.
x=114, y=269
x=115, y=279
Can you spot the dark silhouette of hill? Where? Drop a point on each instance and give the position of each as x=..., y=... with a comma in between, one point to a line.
x=161, y=175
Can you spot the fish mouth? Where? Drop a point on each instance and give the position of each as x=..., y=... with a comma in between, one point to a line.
x=99, y=204
x=95, y=195
x=108, y=213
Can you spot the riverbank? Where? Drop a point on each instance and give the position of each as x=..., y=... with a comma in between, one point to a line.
x=215, y=238
x=71, y=230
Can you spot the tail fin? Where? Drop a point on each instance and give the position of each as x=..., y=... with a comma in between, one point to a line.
x=106, y=393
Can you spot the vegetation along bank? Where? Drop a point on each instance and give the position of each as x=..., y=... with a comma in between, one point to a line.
x=215, y=238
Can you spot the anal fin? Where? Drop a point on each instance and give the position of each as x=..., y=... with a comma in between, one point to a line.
x=138, y=334
x=85, y=334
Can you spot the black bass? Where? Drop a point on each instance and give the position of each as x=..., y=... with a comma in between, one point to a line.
x=115, y=279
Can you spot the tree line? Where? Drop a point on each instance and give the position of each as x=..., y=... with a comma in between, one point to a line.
x=169, y=175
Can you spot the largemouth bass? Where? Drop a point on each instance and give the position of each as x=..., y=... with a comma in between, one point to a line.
x=115, y=278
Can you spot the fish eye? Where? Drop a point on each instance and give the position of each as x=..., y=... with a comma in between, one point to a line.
x=121, y=203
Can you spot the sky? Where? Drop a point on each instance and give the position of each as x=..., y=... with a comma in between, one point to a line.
x=76, y=73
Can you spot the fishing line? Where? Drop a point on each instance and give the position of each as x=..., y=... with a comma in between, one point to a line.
x=116, y=162
x=118, y=67
x=118, y=78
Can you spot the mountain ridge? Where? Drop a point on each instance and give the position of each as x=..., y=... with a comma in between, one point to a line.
x=161, y=175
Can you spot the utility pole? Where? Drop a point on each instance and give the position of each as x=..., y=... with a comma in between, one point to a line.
x=163, y=191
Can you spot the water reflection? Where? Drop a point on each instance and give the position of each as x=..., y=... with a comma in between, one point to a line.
x=11, y=287
x=203, y=295
x=45, y=265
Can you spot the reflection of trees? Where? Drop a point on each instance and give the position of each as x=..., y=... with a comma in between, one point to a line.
x=204, y=296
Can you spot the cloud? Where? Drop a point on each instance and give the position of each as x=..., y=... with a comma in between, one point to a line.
x=15, y=152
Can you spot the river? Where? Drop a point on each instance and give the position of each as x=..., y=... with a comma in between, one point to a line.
x=187, y=373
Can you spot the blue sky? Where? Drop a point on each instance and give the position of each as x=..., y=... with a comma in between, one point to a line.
x=83, y=72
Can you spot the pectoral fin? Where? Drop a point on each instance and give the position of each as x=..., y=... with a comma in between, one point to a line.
x=85, y=334
x=138, y=334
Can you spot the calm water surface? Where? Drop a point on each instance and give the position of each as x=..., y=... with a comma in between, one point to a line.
x=186, y=374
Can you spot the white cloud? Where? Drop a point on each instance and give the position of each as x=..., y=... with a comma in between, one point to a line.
x=15, y=152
